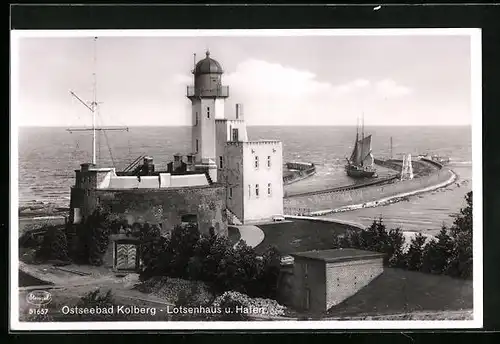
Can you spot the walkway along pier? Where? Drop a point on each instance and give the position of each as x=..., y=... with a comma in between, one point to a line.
x=376, y=193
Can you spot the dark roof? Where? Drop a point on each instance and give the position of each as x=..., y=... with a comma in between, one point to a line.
x=208, y=66
x=337, y=255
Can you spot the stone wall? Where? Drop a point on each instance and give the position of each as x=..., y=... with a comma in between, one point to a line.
x=166, y=207
x=346, y=279
x=339, y=199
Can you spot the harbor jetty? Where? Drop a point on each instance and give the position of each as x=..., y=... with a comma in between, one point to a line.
x=296, y=171
x=429, y=175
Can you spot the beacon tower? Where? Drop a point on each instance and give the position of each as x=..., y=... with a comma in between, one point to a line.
x=207, y=97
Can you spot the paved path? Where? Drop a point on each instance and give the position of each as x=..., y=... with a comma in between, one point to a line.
x=252, y=235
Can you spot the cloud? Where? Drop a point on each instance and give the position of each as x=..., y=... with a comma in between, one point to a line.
x=276, y=94
x=389, y=88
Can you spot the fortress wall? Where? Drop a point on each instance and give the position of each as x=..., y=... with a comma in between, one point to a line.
x=371, y=193
x=166, y=206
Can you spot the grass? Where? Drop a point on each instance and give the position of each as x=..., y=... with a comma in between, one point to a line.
x=300, y=235
x=402, y=291
x=233, y=235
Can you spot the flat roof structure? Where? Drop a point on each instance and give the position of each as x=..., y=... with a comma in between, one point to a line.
x=337, y=255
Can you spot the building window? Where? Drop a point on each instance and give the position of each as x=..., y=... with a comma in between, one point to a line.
x=197, y=147
x=208, y=111
x=269, y=189
x=230, y=192
x=256, y=162
x=220, y=161
x=235, y=135
x=196, y=119
x=257, y=190
x=269, y=161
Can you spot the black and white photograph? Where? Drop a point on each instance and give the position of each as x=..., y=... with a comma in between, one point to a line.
x=246, y=179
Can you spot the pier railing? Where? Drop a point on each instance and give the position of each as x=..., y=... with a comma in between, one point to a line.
x=222, y=91
x=297, y=211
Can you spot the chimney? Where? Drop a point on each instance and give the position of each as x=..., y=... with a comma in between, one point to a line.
x=177, y=161
x=239, y=111
x=148, y=166
x=190, y=162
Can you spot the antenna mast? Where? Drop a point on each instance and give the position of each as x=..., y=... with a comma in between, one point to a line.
x=94, y=108
x=94, y=103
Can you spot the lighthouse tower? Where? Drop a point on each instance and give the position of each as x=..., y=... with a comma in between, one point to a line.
x=207, y=97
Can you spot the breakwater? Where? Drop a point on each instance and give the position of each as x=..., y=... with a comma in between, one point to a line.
x=373, y=195
x=381, y=181
x=298, y=171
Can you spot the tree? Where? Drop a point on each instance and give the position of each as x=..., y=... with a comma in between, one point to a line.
x=267, y=281
x=460, y=263
x=414, y=255
x=394, y=249
x=54, y=245
x=181, y=248
x=437, y=253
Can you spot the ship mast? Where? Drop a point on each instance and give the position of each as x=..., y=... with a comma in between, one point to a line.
x=363, y=126
x=94, y=108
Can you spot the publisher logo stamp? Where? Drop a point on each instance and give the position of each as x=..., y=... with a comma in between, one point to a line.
x=38, y=297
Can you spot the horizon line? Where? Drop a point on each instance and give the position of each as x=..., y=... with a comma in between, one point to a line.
x=256, y=125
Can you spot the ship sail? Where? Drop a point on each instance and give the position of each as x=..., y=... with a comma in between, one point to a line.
x=355, y=153
x=365, y=147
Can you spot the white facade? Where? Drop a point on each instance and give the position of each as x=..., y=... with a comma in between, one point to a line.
x=262, y=180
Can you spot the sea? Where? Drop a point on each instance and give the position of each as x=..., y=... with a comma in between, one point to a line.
x=48, y=157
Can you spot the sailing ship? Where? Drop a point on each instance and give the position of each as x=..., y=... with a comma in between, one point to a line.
x=361, y=162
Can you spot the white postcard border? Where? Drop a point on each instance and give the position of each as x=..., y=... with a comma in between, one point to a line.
x=476, y=74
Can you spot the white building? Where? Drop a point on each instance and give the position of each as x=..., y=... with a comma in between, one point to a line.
x=251, y=170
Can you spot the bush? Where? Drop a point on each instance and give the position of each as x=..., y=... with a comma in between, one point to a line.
x=231, y=310
x=93, y=237
x=214, y=260
x=28, y=240
x=54, y=245
x=96, y=299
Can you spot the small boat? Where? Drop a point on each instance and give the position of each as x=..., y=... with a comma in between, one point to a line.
x=361, y=162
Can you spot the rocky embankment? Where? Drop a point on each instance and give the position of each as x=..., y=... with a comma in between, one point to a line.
x=40, y=208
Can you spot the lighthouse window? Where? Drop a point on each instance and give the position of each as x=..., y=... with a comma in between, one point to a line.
x=269, y=161
x=256, y=162
x=208, y=112
x=196, y=118
x=220, y=161
x=269, y=189
x=230, y=192
x=257, y=190
x=197, y=146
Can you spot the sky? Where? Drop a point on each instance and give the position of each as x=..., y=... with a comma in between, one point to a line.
x=294, y=80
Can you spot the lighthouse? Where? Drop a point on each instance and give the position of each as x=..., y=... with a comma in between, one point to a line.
x=207, y=97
